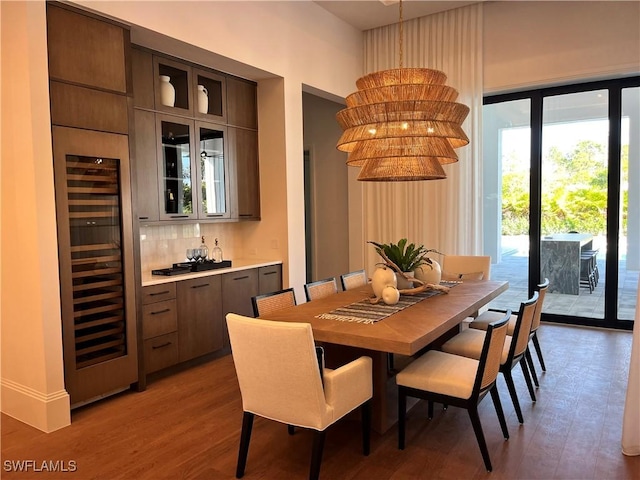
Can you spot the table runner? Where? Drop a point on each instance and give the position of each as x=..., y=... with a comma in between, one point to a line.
x=365, y=312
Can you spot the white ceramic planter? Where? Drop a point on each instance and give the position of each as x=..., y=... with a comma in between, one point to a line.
x=404, y=284
x=429, y=275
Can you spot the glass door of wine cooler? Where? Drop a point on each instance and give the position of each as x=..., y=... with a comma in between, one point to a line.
x=96, y=262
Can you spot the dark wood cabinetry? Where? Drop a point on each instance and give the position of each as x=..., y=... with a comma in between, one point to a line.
x=209, y=172
x=146, y=165
x=237, y=289
x=82, y=107
x=200, y=328
x=242, y=103
x=243, y=150
x=89, y=111
x=185, y=319
x=159, y=326
x=97, y=286
x=142, y=75
x=269, y=279
x=85, y=50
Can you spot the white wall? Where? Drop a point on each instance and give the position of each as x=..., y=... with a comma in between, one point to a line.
x=32, y=374
x=530, y=44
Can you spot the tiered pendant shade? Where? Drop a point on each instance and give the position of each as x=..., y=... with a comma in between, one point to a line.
x=400, y=170
x=402, y=124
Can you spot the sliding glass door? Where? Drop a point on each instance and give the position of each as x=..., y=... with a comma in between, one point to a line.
x=562, y=198
x=629, y=212
x=574, y=171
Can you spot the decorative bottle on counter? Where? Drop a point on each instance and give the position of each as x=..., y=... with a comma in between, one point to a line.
x=216, y=253
x=204, y=251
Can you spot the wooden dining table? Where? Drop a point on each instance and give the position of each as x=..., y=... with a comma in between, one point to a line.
x=406, y=333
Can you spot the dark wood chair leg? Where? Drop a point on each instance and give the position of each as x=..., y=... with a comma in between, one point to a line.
x=316, y=455
x=366, y=427
x=391, y=364
x=536, y=344
x=527, y=377
x=477, y=428
x=498, y=406
x=532, y=368
x=291, y=429
x=512, y=392
x=245, y=437
x=402, y=415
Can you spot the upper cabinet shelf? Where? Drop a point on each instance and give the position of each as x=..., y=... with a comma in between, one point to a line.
x=209, y=96
x=172, y=86
x=169, y=86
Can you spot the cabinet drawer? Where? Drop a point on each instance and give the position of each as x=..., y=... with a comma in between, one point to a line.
x=159, y=318
x=160, y=352
x=158, y=293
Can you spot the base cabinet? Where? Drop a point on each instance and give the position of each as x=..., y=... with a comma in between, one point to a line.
x=269, y=279
x=238, y=288
x=185, y=319
x=200, y=320
x=160, y=327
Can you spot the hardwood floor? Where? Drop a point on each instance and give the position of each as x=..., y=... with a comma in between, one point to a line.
x=188, y=426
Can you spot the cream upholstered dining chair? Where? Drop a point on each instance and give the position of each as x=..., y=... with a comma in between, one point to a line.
x=466, y=267
x=354, y=279
x=492, y=315
x=468, y=343
x=455, y=380
x=320, y=288
x=278, y=372
x=271, y=302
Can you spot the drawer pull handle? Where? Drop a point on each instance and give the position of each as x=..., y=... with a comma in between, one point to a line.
x=155, y=347
x=143, y=218
x=178, y=216
x=159, y=293
x=200, y=286
x=214, y=215
x=241, y=278
x=161, y=311
x=270, y=273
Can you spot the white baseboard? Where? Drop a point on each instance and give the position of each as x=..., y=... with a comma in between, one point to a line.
x=45, y=411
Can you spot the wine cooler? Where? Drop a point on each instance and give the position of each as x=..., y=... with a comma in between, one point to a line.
x=93, y=204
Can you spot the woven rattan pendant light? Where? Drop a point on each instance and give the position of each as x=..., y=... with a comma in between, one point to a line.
x=402, y=124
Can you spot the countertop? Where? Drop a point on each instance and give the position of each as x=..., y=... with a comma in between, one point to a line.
x=568, y=237
x=237, y=265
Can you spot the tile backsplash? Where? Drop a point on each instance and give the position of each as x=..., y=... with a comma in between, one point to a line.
x=162, y=246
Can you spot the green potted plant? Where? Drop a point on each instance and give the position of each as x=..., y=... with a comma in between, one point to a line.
x=408, y=258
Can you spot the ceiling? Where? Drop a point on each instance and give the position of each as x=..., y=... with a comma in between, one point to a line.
x=367, y=14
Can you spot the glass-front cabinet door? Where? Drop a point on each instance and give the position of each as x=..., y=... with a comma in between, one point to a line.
x=175, y=138
x=213, y=171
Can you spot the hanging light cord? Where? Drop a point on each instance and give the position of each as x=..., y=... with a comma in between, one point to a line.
x=401, y=35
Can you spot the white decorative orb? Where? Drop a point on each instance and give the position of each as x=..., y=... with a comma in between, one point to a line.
x=382, y=277
x=390, y=295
